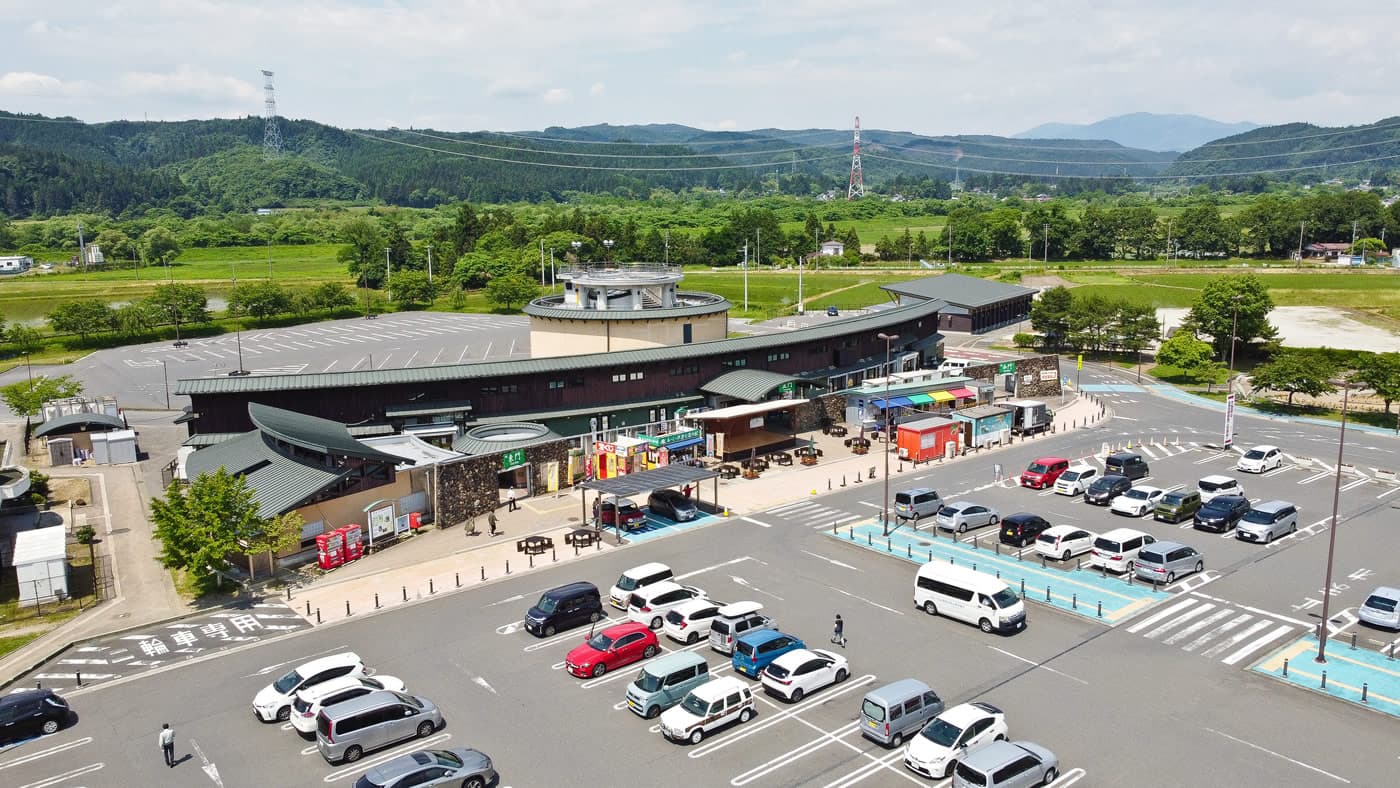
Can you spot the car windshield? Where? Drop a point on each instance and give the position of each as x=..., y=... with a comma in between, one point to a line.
x=648, y=682
x=287, y=683
x=941, y=732
x=1071, y=476
x=1256, y=516
x=873, y=710
x=1217, y=506
x=1380, y=603
x=949, y=511
x=1209, y=486
x=1136, y=494
x=1038, y=467
x=1254, y=454
x=626, y=583
x=695, y=705
x=1005, y=598
x=1103, y=484
x=1173, y=498
x=778, y=671
x=600, y=642
x=547, y=604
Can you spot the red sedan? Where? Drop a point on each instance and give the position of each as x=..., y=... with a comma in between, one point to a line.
x=612, y=648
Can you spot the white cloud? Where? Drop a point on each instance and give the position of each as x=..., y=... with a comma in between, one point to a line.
x=188, y=83
x=28, y=83
x=597, y=89
x=557, y=96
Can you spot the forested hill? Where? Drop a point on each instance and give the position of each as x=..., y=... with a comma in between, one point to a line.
x=1299, y=152
x=53, y=165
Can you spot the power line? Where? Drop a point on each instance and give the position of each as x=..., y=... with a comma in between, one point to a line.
x=574, y=166
x=1054, y=176
x=616, y=155
x=793, y=136
x=961, y=155
x=1353, y=130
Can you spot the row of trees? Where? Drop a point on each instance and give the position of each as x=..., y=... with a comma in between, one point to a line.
x=1090, y=323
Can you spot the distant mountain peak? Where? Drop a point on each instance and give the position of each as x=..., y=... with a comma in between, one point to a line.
x=1146, y=130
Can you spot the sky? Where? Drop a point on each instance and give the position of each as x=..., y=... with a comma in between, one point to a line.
x=930, y=67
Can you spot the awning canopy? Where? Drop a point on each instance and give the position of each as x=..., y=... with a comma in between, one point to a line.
x=79, y=422
x=750, y=409
x=963, y=392
x=941, y=396
x=646, y=481
x=750, y=385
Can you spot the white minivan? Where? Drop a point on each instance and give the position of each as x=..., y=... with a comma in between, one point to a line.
x=711, y=705
x=636, y=577
x=966, y=595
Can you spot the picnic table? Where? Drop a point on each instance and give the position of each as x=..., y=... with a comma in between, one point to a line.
x=758, y=464
x=837, y=430
x=782, y=458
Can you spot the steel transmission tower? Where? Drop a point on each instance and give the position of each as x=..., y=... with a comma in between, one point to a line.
x=272, y=135
x=857, y=185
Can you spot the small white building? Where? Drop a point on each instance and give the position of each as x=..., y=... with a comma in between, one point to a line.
x=833, y=249
x=16, y=264
x=41, y=564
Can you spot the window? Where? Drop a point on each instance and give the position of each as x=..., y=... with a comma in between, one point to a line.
x=510, y=389
x=635, y=375
x=556, y=384
x=912, y=705
x=783, y=356
x=735, y=362
x=619, y=377
x=490, y=389
x=685, y=334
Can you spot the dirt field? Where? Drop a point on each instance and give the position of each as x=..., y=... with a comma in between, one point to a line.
x=1316, y=326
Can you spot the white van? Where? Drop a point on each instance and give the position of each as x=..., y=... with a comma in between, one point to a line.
x=956, y=364
x=973, y=597
x=636, y=577
x=711, y=705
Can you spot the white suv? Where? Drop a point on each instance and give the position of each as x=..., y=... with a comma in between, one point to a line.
x=310, y=701
x=274, y=702
x=712, y=704
x=951, y=735
x=650, y=604
x=1076, y=479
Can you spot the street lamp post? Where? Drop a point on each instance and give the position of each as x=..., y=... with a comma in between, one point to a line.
x=165, y=376
x=238, y=327
x=1332, y=532
x=1234, y=337
x=885, y=501
x=608, y=245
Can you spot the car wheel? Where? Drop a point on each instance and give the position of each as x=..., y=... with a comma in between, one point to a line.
x=745, y=715
x=473, y=782
x=948, y=771
x=599, y=670
x=1171, y=577
x=50, y=726
x=697, y=735
x=1293, y=528
x=650, y=651
x=841, y=675
x=795, y=696
x=985, y=625
x=692, y=637
x=962, y=528
x=930, y=608
x=1050, y=775
x=1065, y=556
x=653, y=712
x=1200, y=566
x=425, y=729
x=1000, y=737
x=896, y=740
x=284, y=714
x=656, y=623
x=994, y=520
x=353, y=754
x=595, y=617
x=549, y=631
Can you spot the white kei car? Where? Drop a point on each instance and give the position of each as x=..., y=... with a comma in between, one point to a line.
x=801, y=671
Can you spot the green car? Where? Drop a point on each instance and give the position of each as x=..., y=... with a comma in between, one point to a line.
x=1177, y=506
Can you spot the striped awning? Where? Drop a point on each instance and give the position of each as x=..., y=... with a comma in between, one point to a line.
x=941, y=396
x=963, y=392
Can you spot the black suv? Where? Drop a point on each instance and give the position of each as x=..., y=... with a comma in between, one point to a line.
x=1022, y=528
x=30, y=713
x=1222, y=513
x=1105, y=488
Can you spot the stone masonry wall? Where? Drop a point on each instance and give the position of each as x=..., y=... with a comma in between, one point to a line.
x=468, y=488
x=1028, y=376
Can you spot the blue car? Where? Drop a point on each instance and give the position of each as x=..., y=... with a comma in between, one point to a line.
x=754, y=651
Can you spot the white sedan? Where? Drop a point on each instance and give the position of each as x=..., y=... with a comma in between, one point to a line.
x=1137, y=502
x=801, y=671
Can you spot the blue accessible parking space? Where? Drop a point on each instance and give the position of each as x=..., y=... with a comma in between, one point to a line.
x=1356, y=675
x=656, y=526
x=1105, y=598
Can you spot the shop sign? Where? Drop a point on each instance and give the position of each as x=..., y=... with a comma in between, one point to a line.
x=512, y=459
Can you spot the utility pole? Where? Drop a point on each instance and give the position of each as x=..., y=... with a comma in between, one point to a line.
x=1353, y=238
x=389, y=294
x=885, y=501
x=541, y=262
x=238, y=327
x=759, y=252
x=1168, y=257
x=668, y=248
x=746, y=276
x=82, y=248
x=950, y=244
x=269, y=255
x=430, y=262
x=1301, y=225
x=1045, y=245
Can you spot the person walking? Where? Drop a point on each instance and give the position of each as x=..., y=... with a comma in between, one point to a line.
x=838, y=633
x=491, y=521
x=510, y=500
x=167, y=744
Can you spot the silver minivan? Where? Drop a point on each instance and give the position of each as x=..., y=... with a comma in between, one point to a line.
x=348, y=730
x=734, y=621
x=917, y=503
x=1005, y=764
x=665, y=682
x=1267, y=521
x=1164, y=562
x=891, y=713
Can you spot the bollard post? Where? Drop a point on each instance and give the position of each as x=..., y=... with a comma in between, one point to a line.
x=828, y=484
x=1103, y=571
x=347, y=607
x=1154, y=585
x=308, y=607
x=901, y=466
x=554, y=555
x=507, y=566
x=405, y=593
x=79, y=676
x=930, y=556
x=909, y=549
x=1392, y=651
x=376, y=600
x=1353, y=641
x=998, y=574
x=1047, y=593
x=1019, y=557
x=575, y=550
x=1023, y=586
x=1042, y=561
x=1078, y=564
x=833, y=528
x=974, y=567
x=431, y=590
x=1130, y=576
x=843, y=480
x=1100, y=608
x=1074, y=601
x=458, y=577
x=289, y=593
x=1285, y=668
x=853, y=533
x=318, y=615
x=870, y=539
x=888, y=547
x=1364, y=688
x=483, y=573
x=598, y=545
x=997, y=546
x=532, y=560
x=1324, y=679
x=38, y=685
x=973, y=543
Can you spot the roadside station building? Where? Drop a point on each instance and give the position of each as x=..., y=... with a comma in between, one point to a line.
x=973, y=305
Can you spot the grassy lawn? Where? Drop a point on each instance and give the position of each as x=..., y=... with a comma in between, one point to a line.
x=870, y=230
x=16, y=642
x=1378, y=290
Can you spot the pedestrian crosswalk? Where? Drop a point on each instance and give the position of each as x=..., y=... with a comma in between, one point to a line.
x=814, y=514
x=1214, y=628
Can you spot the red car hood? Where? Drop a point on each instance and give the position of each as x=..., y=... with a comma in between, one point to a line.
x=583, y=653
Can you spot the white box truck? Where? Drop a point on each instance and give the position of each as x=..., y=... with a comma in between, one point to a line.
x=1031, y=416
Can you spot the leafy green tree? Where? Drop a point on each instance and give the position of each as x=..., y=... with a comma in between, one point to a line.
x=260, y=299
x=1295, y=373
x=1050, y=316
x=135, y=318
x=411, y=288
x=331, y=296
x=117, y=246
x=1096, y=236
x=1090, y=320
x=1380, y=372
x=181, y=303
x=1184, y=351
x=201, y=524
x=466, y=228
x=24, y=338
x=1222, y=300
x=1062, y=230
x=363, y=251
x=275, y=535
x=1203, y=232
x=1134, y=327
x=87, y=535
x=507, y=291
x=396, y=241
x=26, y=398
x=84, y=318
x=475, y=269
x=159, y=246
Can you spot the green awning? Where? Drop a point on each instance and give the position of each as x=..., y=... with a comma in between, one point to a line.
x=920, y=399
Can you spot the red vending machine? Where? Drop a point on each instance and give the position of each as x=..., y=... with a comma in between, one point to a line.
x=353, y=536
x=330, y=549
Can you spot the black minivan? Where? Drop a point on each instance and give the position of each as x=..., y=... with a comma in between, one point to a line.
x=564, y=607
x=30, y=713
x=1126, y=463
x=1022, y=528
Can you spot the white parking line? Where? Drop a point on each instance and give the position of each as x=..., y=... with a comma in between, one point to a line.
x=1277, y=755
x=803, y=750
x=68, y=775
x=769, y=721
x=1356, y=483
x=363, y=765
x=1040, y=665
x=54, y=750
x=756, y=522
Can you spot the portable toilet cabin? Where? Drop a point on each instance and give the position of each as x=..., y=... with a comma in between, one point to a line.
x=41, y=564
x=985, y=425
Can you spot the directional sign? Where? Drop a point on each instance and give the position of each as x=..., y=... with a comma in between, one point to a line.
x=1006, y=368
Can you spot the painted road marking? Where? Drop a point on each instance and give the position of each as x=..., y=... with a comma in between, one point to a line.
x=54, y=750
x=1040, y=665
x=1356, y=483
x=1200, y=625
x=769, y=721
x=756, y=522
x=1189, y=614
x=58, y=778
x=831, y=561
x=1233, y=640
x=1309, y=767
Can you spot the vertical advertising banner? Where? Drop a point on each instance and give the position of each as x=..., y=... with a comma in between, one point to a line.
x=1229, y=420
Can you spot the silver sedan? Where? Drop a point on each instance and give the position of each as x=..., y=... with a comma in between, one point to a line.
x=961, y=515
